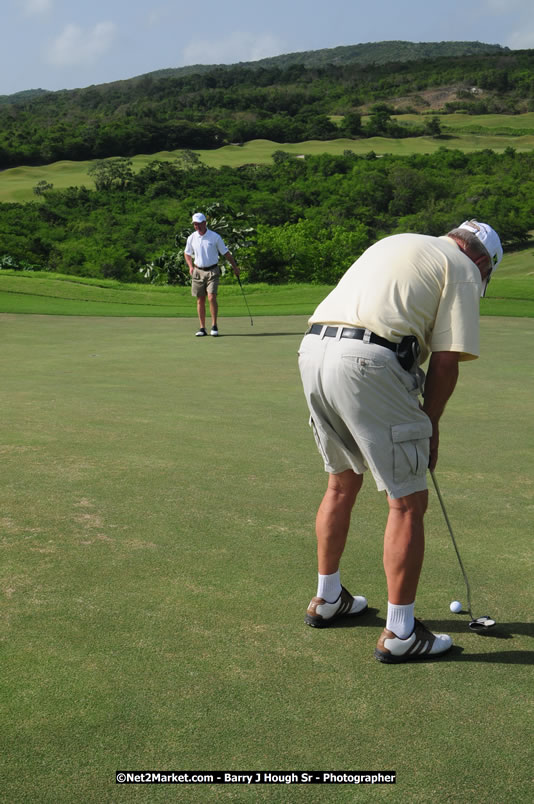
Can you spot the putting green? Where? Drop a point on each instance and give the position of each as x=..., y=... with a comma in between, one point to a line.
x=158, y=502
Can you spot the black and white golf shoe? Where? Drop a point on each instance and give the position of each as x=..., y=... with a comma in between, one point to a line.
x=320, y=613
x=421, y=644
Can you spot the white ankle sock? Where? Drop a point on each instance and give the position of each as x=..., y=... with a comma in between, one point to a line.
x=400, y=619
x=329, y=587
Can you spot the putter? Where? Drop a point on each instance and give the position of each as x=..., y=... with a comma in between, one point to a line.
x=246, y=302
x=478, y=623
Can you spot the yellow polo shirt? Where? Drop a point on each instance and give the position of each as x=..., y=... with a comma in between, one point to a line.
x=410, y=284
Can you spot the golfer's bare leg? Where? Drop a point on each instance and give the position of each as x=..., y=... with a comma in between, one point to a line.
x=404, y=546
x=333, y=519
x=214, y=308
x=201, y=310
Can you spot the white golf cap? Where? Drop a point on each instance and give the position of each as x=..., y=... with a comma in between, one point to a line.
x=198, y=217
x=488, y=237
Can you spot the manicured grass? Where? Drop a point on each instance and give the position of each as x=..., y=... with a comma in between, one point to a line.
x=159, y=494
x=52, y=294
x=511, y=293
x=466, y=133
x=17, y=183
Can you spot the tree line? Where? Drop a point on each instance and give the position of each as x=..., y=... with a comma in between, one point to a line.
x=233, y=105
x=300, y=219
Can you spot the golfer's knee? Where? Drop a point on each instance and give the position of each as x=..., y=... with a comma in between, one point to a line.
x=412, y=505
x=345, y=485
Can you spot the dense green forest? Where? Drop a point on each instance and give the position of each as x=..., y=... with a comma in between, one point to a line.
x=289, y=103
x=363, y=54
x=301, y=219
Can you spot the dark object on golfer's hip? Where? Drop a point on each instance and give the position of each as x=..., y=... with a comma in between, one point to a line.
x=480, y=623
x=408, y=351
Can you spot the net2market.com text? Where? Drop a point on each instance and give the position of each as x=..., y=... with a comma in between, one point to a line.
x=256, y=777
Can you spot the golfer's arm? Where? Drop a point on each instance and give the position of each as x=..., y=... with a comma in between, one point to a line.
x=189, y=261
x=228, y=256
x=441, y=380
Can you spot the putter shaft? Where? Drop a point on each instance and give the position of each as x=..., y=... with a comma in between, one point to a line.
x=246, y=302
x=449, y=526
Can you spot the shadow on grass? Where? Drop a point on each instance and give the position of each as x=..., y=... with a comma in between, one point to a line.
x=501, y=631
x=459, y=654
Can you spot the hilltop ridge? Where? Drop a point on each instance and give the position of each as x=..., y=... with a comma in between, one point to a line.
x=363, y=54
x=321, y=95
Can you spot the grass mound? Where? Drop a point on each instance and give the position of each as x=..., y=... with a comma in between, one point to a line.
x=510, y=293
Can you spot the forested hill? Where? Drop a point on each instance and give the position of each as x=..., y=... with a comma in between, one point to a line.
x=363, y=54
x=236, y=104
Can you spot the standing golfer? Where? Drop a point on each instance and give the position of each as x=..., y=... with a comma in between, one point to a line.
x=204, y=246
x=407, y=297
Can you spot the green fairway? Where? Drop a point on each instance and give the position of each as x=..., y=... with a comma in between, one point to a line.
x=260, y=151
x=159, y=495
x=466, y=133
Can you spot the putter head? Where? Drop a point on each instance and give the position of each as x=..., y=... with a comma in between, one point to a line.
x=481, y=623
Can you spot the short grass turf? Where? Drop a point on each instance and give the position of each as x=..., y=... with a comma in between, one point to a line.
x=159, y=494
x=510, y=293
x=38, y=292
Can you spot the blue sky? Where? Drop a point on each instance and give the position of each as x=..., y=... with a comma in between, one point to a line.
x=63, y=44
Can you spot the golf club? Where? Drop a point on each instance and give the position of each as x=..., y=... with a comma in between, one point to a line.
x=246, y=302
x=478, y=623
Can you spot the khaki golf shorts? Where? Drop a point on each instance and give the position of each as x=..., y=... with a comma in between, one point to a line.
x=203, y=282
x=364, y=412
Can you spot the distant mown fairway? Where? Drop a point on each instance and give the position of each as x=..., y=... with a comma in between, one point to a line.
x=467, y=133
x=158, y=554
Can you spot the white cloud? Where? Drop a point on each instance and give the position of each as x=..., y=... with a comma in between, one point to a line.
x=76, y=46
x=521, y=40
x=34, y=7
x=238, y=46
x=517, y=24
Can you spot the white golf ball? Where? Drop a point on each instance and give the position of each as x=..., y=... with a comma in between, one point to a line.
x=455, y=606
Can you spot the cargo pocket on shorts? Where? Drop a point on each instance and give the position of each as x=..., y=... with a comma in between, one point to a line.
x=410, y=449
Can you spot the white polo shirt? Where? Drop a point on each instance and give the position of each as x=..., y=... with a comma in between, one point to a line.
x=205, y=248
x=410, y=284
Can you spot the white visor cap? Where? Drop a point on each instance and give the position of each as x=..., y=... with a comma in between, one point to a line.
x=492, y=242
x=198, y=217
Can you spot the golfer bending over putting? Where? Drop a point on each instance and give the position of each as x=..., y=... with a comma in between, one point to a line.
x=205, y=246
x=406, y=297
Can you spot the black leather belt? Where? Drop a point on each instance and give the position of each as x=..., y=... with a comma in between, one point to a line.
x=208, y=267
x=349, y=332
